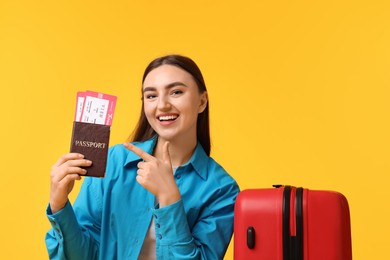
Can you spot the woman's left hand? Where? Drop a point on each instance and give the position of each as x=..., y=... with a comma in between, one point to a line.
x=156, y=175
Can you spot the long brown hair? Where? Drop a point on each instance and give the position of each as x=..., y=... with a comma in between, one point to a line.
x=144, y=131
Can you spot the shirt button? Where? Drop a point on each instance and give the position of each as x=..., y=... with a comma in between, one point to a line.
x=157, y=225
x=159, y=236
x=155, y=216
x=53, y=222
x=178, y=176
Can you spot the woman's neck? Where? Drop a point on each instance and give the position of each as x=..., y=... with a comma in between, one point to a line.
x=179, y=151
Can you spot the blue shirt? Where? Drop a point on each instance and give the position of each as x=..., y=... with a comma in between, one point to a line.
x=111, y=215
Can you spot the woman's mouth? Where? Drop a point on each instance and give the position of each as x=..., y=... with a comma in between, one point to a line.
x=165, y=118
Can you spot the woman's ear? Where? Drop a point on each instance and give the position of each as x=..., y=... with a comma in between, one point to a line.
x=203, y=102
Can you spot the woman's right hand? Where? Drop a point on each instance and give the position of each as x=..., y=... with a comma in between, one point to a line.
x=62, y=177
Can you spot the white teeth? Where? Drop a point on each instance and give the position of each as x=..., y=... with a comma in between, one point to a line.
x=163, y=118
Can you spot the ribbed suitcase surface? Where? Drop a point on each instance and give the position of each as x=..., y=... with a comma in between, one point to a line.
x=288, y=223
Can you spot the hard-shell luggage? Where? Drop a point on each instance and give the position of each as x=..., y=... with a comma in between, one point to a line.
x=288, y=223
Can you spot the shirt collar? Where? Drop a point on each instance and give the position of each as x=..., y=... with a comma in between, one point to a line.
x=198, y=160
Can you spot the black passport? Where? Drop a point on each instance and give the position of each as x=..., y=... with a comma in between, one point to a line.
x=92, y=141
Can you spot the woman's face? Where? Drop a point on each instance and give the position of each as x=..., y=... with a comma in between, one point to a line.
x=172, y=103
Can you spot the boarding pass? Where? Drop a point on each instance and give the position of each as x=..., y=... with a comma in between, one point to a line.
x=94, y=107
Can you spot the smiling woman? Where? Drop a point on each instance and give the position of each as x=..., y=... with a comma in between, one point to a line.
x=163, y=196
x=189, y=72
x=172, y=106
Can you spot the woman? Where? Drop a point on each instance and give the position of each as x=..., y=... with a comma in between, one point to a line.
x=163, y=197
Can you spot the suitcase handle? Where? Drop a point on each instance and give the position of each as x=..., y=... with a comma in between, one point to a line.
x=250, y=237
x=292, y=245
x=286, y=222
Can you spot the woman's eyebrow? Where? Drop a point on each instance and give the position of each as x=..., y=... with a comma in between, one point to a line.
x=148, y=89
x=170, y=85
x=174, y=84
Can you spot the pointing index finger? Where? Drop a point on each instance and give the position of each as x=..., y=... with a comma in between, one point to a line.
x=138, y=151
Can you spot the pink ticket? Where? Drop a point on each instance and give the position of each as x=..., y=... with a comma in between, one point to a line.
x=94, y=107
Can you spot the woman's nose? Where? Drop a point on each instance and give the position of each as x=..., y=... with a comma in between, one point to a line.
x=163, y=103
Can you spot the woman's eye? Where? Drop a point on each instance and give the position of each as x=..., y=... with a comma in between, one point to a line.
x=150, y=96
x=176, y=92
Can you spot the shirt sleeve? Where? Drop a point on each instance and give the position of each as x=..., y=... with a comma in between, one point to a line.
x=210, y=236
x=74, y=237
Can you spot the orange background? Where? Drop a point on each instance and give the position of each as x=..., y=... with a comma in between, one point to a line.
x=299, y=94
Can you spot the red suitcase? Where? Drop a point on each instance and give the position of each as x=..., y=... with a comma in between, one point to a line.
x=288, y=223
